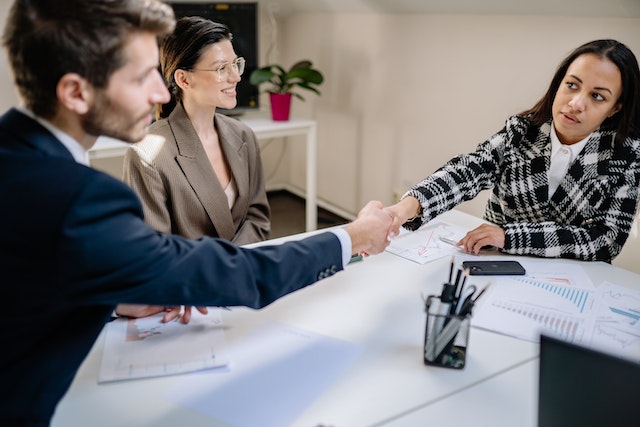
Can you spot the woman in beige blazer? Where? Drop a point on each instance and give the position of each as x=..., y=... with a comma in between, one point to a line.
x=199, y=172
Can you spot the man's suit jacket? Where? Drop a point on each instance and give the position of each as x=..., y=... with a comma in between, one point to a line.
x=73, y=244
x=588, y=217
x=179, y=190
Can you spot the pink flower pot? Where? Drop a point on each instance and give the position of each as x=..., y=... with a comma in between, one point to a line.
x=280, y=106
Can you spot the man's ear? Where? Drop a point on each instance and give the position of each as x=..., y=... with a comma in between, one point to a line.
x=74, y=93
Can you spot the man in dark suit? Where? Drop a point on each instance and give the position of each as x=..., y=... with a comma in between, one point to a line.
x=73, y=242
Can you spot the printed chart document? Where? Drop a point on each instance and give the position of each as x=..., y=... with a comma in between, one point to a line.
x=524, y=307
x=428, y=243
x=565, y=304
x=276, y=372
x=617, y=322
x=146, y=347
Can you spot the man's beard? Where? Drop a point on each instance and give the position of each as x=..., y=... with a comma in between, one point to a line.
x=104, y=119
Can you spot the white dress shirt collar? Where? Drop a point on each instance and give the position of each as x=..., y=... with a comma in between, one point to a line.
x=77, y=151
x=574, y=148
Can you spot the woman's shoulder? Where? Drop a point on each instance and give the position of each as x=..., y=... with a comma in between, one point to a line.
x=234, y=129
x=517, y=125
x=159, y=126
x=232, y=122
x=633, y=144
x=154, y=145
x=518, y=121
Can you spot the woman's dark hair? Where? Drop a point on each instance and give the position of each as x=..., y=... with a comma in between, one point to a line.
x=625, y=122
x=182, y=49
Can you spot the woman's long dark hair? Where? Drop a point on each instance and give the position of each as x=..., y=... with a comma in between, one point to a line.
x=625, y=122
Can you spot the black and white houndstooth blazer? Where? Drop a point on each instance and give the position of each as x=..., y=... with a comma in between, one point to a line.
x=588, y=217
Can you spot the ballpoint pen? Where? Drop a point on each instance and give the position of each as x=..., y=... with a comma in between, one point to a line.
x=468, y=304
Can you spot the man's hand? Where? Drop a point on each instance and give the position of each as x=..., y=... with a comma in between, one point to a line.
x=370, y=231
x=402, y=212
x=171, y=313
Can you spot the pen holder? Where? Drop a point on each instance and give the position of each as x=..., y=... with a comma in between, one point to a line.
x=446, y=335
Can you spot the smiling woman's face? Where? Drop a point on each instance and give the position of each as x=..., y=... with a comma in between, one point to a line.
x=206, y=87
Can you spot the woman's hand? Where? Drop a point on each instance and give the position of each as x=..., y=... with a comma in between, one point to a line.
x=403, y=211
x=484, y=235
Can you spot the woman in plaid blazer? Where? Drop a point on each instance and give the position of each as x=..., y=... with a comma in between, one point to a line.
x=565, y=174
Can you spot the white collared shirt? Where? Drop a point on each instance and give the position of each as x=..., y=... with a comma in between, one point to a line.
x=562, y=156
x=77, y=151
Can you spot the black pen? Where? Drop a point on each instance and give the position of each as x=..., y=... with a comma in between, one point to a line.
x=456, y=293
x=453, y=261
x=481, y=292
x=470, y=302
x=466, y=295
x=464, y=280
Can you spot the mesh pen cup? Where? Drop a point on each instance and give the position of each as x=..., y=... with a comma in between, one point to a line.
x=446, y=336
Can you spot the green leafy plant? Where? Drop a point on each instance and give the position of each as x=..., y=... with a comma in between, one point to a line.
x=301, y=75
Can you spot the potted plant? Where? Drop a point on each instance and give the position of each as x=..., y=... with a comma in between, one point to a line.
x=282, y=82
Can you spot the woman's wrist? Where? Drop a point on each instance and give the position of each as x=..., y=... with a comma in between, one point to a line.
x=413, y=208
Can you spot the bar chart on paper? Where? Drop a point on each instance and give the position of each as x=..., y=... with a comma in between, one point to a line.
x=576, y=296
x=525, y=307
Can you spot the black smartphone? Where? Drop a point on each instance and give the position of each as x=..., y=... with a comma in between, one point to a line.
x=494, y=268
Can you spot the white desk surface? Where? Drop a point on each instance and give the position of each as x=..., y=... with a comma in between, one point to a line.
x=506, y=400
x=377, y=303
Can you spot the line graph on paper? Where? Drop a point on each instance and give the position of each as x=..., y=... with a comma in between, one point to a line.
x=425, y=244
x=617, y=325
x=147, y=347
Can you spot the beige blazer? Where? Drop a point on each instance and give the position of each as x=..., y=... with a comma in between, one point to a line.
x=179, y=190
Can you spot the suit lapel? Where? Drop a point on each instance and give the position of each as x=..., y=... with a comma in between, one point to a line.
x=586, y=164
x=200, y=174
x=235, y=150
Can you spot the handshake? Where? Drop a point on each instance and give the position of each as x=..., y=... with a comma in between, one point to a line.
x=381, y=223
x=374, y=227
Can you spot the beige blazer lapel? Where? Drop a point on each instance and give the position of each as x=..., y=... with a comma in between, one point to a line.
x=200, y=174
x=235, y=150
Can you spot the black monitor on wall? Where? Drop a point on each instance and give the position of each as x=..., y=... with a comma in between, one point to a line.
x=242, y=20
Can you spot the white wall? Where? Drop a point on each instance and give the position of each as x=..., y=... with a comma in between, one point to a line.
x=8, y=95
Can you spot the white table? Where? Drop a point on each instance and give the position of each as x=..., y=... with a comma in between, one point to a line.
x=377, y=303
x=263, y=129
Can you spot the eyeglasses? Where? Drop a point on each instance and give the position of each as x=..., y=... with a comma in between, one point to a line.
x=224, y=70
